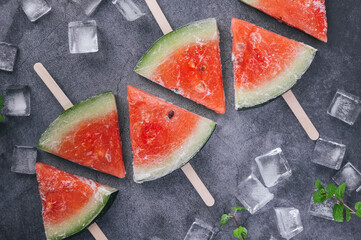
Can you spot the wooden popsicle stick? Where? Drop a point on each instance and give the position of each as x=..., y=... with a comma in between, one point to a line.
x=97, y=232
x=53, y=86
x=187, y=169
x=300, y=114
x=66, y=104
x=159, y=16
x=198, y=184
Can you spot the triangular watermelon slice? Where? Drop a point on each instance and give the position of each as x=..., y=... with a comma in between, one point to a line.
x=70, y=203
x=306, y=15
x=88, y=134
x=265, y=64
x=164, y=137
x=187, y=61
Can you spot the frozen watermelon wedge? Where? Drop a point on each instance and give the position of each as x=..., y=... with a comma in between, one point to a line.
x=265, y=64
x=88, y=134
x=306, y=15
x=70, y=203
x=187, y=61
x=164, y=137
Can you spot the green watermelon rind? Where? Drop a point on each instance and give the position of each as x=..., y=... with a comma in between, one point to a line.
x=85, y=217
x=203, y=30
x=88, y=109
x=180, y=157
x=280, y=84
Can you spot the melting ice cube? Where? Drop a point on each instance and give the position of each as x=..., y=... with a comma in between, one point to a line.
x=252, y=194
x=273, y=167
x=199, y=231
x=35, y=9
x=7, y=56
x=349, y=175
x=288, y=221
x=89, y=6
x=24, y=159
x=345, y=107
x=328, y=153
x=17, y=101
x=323, y=210
x=83, y=37
x=128, y=9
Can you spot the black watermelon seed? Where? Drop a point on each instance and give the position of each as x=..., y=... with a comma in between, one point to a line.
x=170, y=114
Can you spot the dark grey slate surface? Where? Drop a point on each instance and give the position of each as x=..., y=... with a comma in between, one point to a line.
x=166, y=207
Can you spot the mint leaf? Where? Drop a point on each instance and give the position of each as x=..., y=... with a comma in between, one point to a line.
x=319, y=196
x=340, y=191
x=358, y=213
x=245, y=233
x=318, y=184
x=1, y=117
x=338, y=212
x=331, y=189
x=358, y=206
x=348, y=214
x=239, y=232
x=225, y=218
x=238, y=208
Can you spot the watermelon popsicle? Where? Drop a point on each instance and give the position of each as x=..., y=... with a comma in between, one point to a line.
x=66, y=104
x=308, y=16
x=70, y=203
x=164, y=137
x=267, y=65
x=87, y=133
x=187, y=61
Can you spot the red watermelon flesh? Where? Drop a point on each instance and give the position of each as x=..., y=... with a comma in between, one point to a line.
x=306, y=15
x=265, y=64
x=195, y=72
x=187, y=61
x=164, y=137
x=70, y=203
x=88, y=134
x=98, y=143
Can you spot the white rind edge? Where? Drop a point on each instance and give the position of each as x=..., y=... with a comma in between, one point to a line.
x=250, y=2
x=280, y=84
x=180, y=157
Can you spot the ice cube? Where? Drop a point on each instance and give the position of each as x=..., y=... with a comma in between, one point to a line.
x=273, y=167
x=83, y=37
x=323, y=210
x=252, y=194
x=288, y=221
x=17, y=101
x=349, y=175
x=7, y=56
x=128, y=9
x=35, y=9
x=88, y=6
x=272, y=238
x=328, y=153
x=24, y=159
x=345, y=107
x=199, y=231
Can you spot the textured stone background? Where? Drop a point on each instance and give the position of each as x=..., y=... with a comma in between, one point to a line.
x=165, y=208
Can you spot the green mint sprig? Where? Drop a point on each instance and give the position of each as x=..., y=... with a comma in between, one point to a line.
x=240, y=232
x=337, y=193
